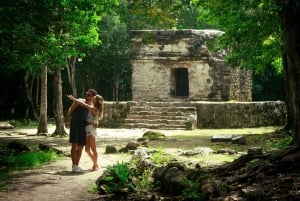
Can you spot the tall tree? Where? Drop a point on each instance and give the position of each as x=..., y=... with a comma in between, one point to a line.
x=57, y=104
x=289, y=12
x=26, y=26
x=42, y=126
x=110, y=63
x=149, y=14
x=28, y=80
x=74, y=29
x=47, y=33
x=264, y=32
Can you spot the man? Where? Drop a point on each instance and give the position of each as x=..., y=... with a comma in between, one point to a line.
x=76, y=121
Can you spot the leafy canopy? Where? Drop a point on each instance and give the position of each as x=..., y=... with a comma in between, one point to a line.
x=252, y=32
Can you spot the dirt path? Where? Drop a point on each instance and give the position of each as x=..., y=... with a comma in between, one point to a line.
x=55, y=181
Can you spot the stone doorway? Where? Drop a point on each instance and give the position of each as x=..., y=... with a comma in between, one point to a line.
x=180, y=82
x=168, y=65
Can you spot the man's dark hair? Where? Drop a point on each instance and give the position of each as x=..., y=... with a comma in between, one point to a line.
x=92, y=91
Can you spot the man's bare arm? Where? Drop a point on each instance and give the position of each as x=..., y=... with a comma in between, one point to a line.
x=69, y=113
x=82, y=103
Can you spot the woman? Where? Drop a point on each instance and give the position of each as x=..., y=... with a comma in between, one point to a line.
x=95, y=114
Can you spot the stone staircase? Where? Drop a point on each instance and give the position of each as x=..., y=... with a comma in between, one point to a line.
x=161, y=115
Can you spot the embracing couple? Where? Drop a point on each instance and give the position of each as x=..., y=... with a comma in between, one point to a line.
x=82, y=118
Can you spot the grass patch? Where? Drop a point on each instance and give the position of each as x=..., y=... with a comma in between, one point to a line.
x=27, y=160
x=265, y=137
x=23, y=123
x=161, y=158
x=30, y=159
x=93, y=188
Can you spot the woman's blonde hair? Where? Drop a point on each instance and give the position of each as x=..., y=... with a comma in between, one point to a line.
x=99, y=104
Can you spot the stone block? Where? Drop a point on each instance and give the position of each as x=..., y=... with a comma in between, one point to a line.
x=5, y=125
x=238, y=140
x=221, y=138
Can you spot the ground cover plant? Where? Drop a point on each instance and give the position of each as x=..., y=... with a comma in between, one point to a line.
x=229, y=178
x=165, y=155
x=12, y=160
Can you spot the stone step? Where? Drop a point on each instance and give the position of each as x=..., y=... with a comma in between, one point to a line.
x=155, y=126
x=163, y=104
x=145, y=115
x=162, y=109
x=157, y=121
x=160, y=113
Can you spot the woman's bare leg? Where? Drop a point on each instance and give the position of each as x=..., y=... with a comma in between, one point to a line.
x=88, y=147
x=93, y=148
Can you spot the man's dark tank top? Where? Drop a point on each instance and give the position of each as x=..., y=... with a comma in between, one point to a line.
x=79, y=116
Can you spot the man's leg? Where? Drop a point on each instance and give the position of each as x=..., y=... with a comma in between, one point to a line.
x=76, y=151
x=73, y=153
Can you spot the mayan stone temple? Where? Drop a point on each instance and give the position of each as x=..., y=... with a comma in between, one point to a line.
x=170, y=65
x=179, y=82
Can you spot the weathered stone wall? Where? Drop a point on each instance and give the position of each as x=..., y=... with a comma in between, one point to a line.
x=212, y=114
x=156, y=55
x=114, y=114
x=240, y=114
x=241, y=82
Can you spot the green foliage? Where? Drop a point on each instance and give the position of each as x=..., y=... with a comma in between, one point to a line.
x=252, y=32
x=117, y=179
x=148, y=38
x=146, y=180
x=48, y=32
x=140, y=14
x=42, y=33
x=36, y=33
x=93, y=188
x=141, y=174
x=140, y=178
x=23, y=123
x=120, y=171
x=193, y=191
x=22, y=161
x=192, y=15
x=4, y=177
x=255, y=162
x=282, y=143
x=160, y=158
x=28, y=159
x=107, y=67
x=154, y=135
x=270, y=141
x=268, y=85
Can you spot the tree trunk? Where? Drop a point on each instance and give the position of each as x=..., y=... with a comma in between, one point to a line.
x=37, y=102
x=289, y=98
x=116, y=94
x=58, y=105
x=289, y=16
x=71, y=74
x=42, y=127
x=28, y=90
x=81, y=85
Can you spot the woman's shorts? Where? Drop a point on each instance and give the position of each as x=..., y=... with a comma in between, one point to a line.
x=90, y=130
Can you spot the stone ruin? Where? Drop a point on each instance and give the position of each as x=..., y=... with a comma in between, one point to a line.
x=179, y=82
x=172, y=65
